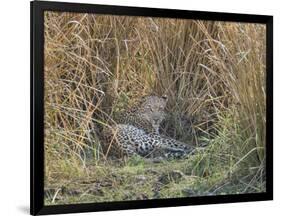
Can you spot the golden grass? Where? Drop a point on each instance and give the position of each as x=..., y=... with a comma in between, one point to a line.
x=97, y=65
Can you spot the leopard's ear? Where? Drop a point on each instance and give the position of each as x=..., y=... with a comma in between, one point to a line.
x=165, y=97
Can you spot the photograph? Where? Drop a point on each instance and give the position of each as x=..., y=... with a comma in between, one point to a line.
x=149, y=108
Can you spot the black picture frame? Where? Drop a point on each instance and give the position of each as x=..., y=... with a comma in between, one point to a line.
x=37, y=106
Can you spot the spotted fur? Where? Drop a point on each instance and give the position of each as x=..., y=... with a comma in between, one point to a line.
x=137, y=132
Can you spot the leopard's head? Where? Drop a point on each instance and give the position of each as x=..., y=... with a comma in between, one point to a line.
x=152, y=110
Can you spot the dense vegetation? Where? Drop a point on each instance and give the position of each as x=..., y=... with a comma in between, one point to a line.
x=213, y=74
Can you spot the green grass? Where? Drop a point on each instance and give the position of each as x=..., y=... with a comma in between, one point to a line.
x=203, y=174
x=213, y=74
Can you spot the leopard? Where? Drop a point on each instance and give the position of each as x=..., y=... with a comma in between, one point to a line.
x=137, y=132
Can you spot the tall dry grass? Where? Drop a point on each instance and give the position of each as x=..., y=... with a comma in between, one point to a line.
x=97, y=65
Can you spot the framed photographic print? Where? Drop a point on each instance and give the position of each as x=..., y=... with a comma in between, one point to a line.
x=140, y=107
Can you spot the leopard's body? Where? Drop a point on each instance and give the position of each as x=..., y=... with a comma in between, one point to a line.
x=136, y=141
x=137, y=132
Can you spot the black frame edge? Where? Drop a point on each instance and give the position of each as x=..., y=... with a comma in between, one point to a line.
x=152, y=12
x=37, y=108
x=156, y=203
x=31, y=111
x=269, y=106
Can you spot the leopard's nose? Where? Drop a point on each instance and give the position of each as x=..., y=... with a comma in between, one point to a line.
x=156, y=120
